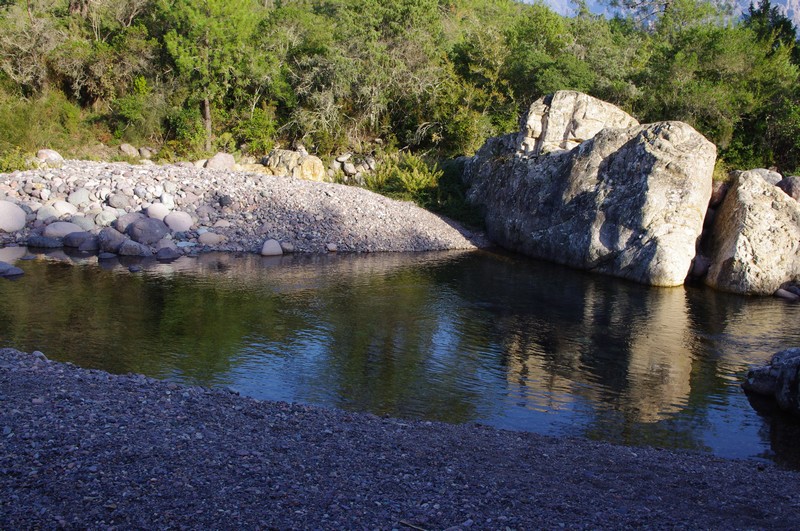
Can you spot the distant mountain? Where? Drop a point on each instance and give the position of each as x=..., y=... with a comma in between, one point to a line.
x=566, y=7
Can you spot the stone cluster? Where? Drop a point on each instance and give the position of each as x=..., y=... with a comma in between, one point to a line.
x=170, y=210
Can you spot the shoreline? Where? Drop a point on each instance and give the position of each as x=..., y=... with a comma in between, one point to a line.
x=190, y=210
x=83, y=448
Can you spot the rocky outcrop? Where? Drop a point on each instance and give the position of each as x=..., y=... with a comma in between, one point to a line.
x=755, y=242
x=297, y=164
x=627, y=202
x=779, y=380
x=566, y=118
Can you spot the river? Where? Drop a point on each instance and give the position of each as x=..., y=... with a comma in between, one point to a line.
x=479, y=337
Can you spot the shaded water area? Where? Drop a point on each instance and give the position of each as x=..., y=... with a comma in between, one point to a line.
x=458, y=337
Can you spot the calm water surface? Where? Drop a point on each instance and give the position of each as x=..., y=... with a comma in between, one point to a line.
x=458, y=337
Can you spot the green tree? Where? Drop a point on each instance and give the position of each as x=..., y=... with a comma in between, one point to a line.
x=208, y=42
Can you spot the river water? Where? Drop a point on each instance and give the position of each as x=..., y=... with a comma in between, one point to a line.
x=476, y=337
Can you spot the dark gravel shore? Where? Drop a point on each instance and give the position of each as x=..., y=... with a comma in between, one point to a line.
x=85, y=449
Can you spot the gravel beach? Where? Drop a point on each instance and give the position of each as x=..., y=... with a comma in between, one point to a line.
x=191, y=210
x=86, y=449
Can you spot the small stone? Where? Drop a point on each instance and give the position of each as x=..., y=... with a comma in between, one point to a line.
x=331, y=247
x=44, y=242
x=179, y=221
x=49, y=155
x=220, y=161
x=65, y=209
x=132, y=248
x=46, y=212
x=787, y=295
x=12, y=217
x=83, y=222
x=271, y=248
x=210, y=238
x=166, y=254
x=75, y=239
x=287, y=247
x=105, y=218
x=158, y=211
x=59, y=229
x=118, y=201
x=110, y=240
x=79, y=197
x=129, y=151
x=147, y=230
x=8, y=270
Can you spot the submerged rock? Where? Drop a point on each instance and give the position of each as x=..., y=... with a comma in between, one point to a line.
x=779, y=380
x=628, y=202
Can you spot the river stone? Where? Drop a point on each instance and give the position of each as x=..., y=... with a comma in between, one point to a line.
x=166, y=254
x=110, y=240
x=780, y=380
x=49, y=156
x=157, y=211
x=83, y=222
x=119, y=201
x=179, y=221
x=8, y=270
x=791, y=186
x=210, y=238
x=220, y=161
x=12, y=217
x=64, y=208
x=75, y=239
x=105, y=218
x=46, y=212
x=297, y=164
x=45, y=242
x=79, y=197
x=90, y=244
x=271, y=248
x=755, y=242
x=628, y=202
x=132, y=248
x=129, y=151
x=126, y=220
x=59, y=229
x=565, y=119
x=147, y=231
x=168, y=200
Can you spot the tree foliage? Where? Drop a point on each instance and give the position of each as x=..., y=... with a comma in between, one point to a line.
x=434, y=77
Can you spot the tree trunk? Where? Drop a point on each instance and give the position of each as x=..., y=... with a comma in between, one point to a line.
x=79, y=7
x=207, y=122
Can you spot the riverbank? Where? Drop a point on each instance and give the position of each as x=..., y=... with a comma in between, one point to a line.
x=82, y=448
x=198, y=209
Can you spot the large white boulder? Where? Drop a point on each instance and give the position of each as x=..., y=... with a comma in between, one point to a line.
x=755, y=239
x=628, y=202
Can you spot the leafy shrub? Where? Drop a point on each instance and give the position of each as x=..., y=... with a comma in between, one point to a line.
x=13, y=160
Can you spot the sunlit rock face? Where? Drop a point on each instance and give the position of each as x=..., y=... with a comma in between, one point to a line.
x=566, y=118
x=626, y=201
x=756, y=238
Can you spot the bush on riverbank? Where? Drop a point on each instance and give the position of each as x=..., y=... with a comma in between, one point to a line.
x=427, y=76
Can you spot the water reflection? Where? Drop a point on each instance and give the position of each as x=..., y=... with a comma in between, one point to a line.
x=460, y=337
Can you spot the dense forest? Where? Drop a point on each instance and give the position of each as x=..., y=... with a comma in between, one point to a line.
x=434, y=77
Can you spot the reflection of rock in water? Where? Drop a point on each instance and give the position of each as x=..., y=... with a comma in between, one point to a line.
x=660, y=363
x=620, y=347
x=781, y=429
